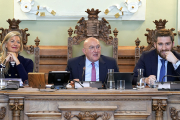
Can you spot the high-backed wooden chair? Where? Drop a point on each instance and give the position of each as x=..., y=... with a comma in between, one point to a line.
x=92, y=27
x=14, y=26
x=150, y=39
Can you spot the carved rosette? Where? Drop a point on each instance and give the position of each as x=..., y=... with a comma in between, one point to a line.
x=16, y=105
x=2, y=112
x=174, y=113
x=159, y=105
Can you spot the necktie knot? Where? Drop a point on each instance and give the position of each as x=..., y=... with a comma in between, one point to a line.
x=92, y=63
x=163, y=61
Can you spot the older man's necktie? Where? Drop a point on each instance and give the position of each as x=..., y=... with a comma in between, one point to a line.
x=93, y=72
x=162, y=71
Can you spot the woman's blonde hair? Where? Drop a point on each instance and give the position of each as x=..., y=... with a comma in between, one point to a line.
x=4, y=49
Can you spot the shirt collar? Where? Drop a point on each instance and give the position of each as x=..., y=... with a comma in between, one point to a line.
x=88, y=63
x=159, y=58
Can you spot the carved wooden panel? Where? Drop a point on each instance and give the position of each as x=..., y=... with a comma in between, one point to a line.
x=175, y=114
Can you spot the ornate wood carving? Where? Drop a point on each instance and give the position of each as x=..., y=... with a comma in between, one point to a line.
x=16, y=105
x=159, y=105
x=151, y=36
x=70, y=31
x=2, y=112
x=174, y=113
x=36, y=53
x=106, y=116
x=68, y=115
x=137, y=50
x=14, y=26
x=93, y=27
x=87, y=116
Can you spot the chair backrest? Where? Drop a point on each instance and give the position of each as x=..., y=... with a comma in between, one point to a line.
x=92, y=27
x=150, y=39
x=14, y=26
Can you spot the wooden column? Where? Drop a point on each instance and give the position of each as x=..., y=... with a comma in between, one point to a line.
x=16, y=104
x=159, y=105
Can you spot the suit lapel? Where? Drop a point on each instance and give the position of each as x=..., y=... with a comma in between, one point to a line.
x=102, y=69
x=154, y=63
x=80, y=68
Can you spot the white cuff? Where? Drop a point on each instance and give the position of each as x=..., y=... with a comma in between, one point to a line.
x=176, y=65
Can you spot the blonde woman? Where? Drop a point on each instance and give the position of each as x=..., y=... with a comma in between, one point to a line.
x=10, y=48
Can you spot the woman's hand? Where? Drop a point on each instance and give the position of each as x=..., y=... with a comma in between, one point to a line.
x=12, y=57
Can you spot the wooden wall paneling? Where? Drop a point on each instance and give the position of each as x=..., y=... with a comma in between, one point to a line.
x=52, y=58
x=126, y=58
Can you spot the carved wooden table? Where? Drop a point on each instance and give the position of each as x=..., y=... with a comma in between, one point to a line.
x=84, y=104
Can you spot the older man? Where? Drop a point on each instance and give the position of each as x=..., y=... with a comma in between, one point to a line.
x=161, y=61
x=92, y=66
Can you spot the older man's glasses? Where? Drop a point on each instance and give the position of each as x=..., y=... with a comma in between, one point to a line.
x=93, y=47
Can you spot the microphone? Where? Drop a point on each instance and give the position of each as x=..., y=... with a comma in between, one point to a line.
x=84, y=68
x=162, y=82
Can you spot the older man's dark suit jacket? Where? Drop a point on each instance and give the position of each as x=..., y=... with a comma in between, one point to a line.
x=149, y=62
x=75, y=66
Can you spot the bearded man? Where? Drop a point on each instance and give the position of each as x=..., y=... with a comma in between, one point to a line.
x=161, y=61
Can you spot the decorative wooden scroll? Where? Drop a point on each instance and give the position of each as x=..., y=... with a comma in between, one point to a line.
x=151, y=37
x=16, y=105
x=174, y=113
x=87, y=116
x=14, y=26
x=2, y=112
x=159, y=105
x=93, y=27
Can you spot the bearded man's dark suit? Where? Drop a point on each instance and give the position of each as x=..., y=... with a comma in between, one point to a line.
x=149, y=62
x=76, y=65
